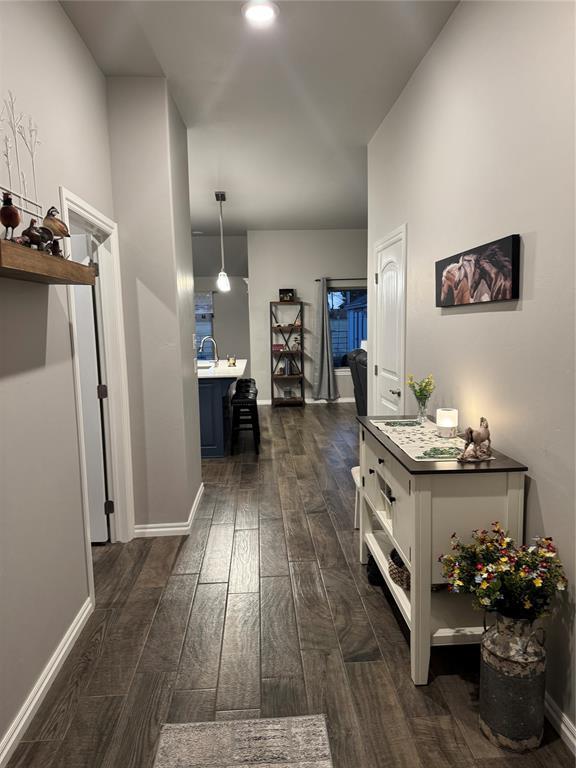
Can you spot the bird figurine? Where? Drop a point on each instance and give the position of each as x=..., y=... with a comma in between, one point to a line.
x=9, y=214
x=38, y=236
x=57, y=227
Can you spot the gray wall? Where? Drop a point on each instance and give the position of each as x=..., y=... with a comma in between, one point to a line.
x=180, y=207
x=207, y=255
x=43, y=581
x=231, y=317
x=480, y=145
x=294, y=259
x=148, y=163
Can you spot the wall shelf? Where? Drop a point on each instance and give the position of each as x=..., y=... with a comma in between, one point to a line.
x=17, y=262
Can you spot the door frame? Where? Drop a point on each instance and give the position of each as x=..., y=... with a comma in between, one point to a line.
x=397, y=235
x=122, y=522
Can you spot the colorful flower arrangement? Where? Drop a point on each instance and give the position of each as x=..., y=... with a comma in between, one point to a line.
x=422, y=389
x=518, y=582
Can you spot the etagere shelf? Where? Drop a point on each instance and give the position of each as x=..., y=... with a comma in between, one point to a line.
x=287, y=352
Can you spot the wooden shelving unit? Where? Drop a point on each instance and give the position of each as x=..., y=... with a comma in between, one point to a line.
x=18, y=262
x=283, y=330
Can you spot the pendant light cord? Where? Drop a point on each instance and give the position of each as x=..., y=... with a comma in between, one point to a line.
x=221, y=235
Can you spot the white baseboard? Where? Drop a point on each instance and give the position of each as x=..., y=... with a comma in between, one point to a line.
x=170, y=529
x=10, y=739
x=315, y=402
x=561, y=723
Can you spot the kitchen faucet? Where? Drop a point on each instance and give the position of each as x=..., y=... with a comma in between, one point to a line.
x=213, y=340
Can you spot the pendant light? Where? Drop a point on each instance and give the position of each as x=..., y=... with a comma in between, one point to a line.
x=222, y=283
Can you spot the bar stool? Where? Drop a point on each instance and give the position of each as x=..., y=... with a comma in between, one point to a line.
x=245, y=412
x=358, y=482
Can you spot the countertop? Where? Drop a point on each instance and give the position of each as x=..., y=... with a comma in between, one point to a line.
x=222, y=370
x=500, y=462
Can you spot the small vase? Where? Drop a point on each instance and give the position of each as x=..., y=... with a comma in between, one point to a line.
x=512, y=684
x=422, y=415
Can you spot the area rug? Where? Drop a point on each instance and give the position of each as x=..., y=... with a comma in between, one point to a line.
x=284, y=742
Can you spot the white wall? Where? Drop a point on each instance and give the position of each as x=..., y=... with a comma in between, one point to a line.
x=480, y=145
x=149, y=173
x=231, y=317
x=294, y=259
x=43, y=580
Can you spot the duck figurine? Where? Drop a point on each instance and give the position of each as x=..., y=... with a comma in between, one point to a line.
x=57, y=227
x=38, y=236
x=9, y=214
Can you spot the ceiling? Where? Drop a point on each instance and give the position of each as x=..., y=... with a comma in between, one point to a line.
x=279, y=118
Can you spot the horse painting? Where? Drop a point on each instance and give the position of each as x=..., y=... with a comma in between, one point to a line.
x=487, y=273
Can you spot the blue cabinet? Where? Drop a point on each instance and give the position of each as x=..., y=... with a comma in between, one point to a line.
x=214, y=397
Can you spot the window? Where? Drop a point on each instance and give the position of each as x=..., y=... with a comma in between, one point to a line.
x=348, y=309
x=204, y=312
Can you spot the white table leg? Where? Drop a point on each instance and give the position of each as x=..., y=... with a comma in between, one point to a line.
x=421, y=582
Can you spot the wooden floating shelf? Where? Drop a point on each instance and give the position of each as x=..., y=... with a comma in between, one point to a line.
x=278, y=376
x=287, y=352
x=18, y=262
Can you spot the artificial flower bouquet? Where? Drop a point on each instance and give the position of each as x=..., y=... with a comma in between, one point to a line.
x=518, y=582
x=422, y=389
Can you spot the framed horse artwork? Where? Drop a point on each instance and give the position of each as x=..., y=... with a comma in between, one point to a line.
x=490, y=272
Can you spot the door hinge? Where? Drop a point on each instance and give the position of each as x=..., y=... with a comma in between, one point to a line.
x=102, y=391
x=375, y=278
x=363, y=438
x=109, y=507
x=375, y=370
x=363, y=481
x=95, y=267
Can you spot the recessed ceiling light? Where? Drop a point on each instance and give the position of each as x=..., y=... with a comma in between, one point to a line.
x=260, y=13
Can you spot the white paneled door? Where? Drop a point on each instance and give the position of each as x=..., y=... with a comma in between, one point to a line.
x=390, y=326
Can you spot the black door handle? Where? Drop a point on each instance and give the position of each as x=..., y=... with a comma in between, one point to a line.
x=395, y=392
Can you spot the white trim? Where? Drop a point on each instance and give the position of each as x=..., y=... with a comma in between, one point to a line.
x=315, y=402
x=562, y=723
x=170, y=529
x=27, y=711
x=122, y=522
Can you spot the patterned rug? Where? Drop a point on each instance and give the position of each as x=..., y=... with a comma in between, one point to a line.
x=286, y=742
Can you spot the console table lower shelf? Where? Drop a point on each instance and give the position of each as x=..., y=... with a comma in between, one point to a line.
x=413, y=507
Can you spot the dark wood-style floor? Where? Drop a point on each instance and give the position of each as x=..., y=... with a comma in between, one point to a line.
x=262, y=612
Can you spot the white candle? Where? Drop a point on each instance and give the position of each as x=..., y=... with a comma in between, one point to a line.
x=447, y=422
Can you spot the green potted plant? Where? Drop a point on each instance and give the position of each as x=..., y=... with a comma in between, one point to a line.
x=422, y=390
x=518, y=583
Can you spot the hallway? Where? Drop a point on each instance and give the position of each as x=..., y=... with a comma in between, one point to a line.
x=263, y=611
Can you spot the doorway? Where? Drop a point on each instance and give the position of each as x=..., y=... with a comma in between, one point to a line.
x=100, y=376
x=388, y=338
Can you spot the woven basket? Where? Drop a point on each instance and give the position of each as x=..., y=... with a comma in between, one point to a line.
x=399, y=574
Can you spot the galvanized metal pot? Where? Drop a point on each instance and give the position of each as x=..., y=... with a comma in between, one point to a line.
x=512, y=684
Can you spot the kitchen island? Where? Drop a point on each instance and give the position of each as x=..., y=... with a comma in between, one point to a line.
x=214, y=382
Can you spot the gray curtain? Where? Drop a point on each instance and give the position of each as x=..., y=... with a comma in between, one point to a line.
x=324, y=384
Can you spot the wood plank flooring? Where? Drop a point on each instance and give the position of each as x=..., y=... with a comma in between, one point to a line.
x=263, y=611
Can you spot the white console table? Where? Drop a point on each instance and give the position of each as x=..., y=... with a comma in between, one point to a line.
x=414, y=507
